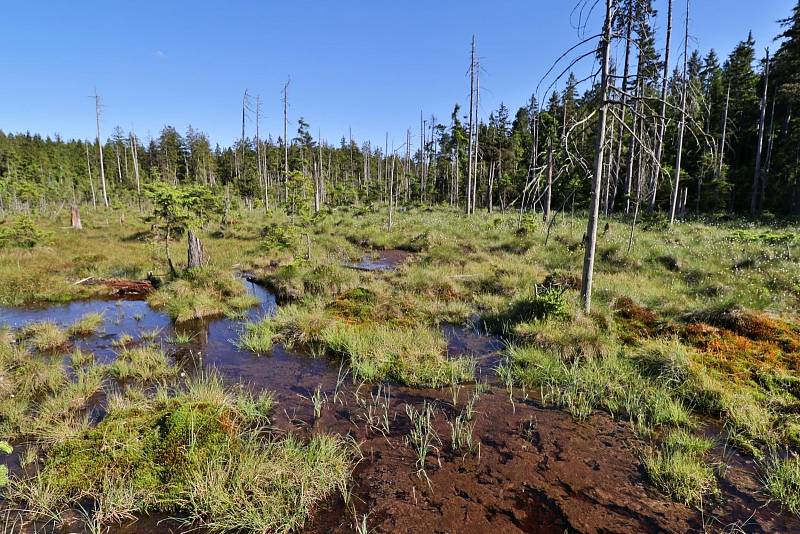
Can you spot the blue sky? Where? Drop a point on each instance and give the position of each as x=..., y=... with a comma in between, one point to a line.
x=367, y=65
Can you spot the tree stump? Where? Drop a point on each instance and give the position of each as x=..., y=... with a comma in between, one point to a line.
x=76, y=218
x=195, y=251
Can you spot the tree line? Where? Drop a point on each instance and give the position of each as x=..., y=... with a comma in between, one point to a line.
x=728, y=126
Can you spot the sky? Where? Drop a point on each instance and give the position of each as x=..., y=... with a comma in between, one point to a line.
x=370, y=66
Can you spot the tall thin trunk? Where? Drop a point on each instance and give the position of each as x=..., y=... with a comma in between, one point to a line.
x=477, y=132
x=724, y=132
x=421, y=158
x=119, y=163
x=240, y=160
x=135, y=157
x=624, y=108
x=262, y=177
x=91, y=182
x=470, y=169
x=548, y=198
x=770, y=144
x=662, y=125
x=597, y=178
x=682, y=127
x=286, y=141
x=100, y=149
x=391, y=195
x=756, y=200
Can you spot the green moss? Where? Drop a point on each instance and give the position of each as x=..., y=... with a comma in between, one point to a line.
x=189, y=452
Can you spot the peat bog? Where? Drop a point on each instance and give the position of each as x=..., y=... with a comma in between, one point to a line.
x=457, y=387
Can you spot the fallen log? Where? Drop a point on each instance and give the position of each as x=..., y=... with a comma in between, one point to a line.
x=121, y=287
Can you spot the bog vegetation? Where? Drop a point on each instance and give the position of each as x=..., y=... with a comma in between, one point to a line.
x=662, y=295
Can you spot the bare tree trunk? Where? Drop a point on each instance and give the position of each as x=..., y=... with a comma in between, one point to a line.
x=549, y=193
x=262, y=177
x=135, y=157
x=755, y=200
x=91, y=182
x=490, y=189
x=119, y=163
x=391, y=195
x=75, y=219
x=770, y=145
x=421, y=158
x=286, y=141
x=477, y=133
x=682, y=127
x=100, y=148
x=662, y=127
x=470, y=170
x=724, y=132
x=597, y=179
x=624, y=109
x=195, y=259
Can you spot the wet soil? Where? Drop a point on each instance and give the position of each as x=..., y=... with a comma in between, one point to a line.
x=381, y=260
x=535, y=470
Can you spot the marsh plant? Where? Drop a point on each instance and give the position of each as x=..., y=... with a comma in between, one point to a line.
x=375, y=409
x=422, y=437
x=462, y=435
x=86, y=325
x=318, y=399
x=781, y=480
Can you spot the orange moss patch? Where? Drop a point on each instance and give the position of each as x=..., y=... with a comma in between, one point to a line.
x=738, y=342
x=637, y=321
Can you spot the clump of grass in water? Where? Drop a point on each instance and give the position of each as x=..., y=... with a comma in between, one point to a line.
x=150, y=335
x=86, y=325
x=123, y=341
x=581, y=386
x=181, y=337
x=202, y=293
x=144, y=364
x=679, y=470
x=255, y=409
x=781, y=481
x=257, y=337
x=376, y=409
x=79, y=358
x=43, y=336
x=5, y=448
x=414, y=357
x=319, y=399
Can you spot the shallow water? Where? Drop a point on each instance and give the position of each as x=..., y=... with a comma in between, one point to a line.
x=381, y=260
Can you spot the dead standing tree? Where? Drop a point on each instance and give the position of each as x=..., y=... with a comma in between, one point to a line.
x=286, y=140
x=597, y=178
x=97, y=108
x=758, y=187
x=682, y=127
x=662, y=125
